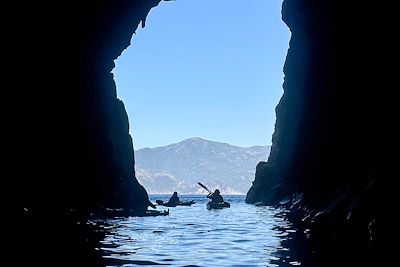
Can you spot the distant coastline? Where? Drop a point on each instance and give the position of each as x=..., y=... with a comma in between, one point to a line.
x=179, y=166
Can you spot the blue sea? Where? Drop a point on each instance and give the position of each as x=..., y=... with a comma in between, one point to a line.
x=242, y=235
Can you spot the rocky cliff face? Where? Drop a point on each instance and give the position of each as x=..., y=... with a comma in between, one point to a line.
x=332, y=155
x=68, y=149
x=75, y=140
x=105, y=30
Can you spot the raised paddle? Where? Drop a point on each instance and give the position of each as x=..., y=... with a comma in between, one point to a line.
x=202, y=185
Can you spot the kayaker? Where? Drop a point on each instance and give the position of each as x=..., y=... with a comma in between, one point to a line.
x=216, y=197
x=150, y=204
x=174, y=200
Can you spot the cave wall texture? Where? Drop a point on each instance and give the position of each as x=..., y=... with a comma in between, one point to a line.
x=68, y=149
x=332, y=157
x=75, y=150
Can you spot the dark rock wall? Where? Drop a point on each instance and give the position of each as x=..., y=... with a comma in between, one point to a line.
x=333, y=152
x=67, y=150
x=74, y=147
x=105, y=30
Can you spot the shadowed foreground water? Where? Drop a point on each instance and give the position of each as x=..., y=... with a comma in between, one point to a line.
x=242, y=235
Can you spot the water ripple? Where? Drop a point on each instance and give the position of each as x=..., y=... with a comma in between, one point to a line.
x=242, y=235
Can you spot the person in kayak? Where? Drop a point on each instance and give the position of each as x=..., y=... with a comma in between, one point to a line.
x=150, y=204
x=174, y=199
x=216, y=197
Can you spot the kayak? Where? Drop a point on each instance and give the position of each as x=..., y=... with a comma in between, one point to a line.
x=214, y=205
x=182, y=203
x=120, y=212
x=186, y=203
x=220, y=205
x=156, y=212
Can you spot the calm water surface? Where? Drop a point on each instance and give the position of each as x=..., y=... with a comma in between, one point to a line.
x=242, y=235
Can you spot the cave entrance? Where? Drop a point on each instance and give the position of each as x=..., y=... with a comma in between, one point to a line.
x=207, y=69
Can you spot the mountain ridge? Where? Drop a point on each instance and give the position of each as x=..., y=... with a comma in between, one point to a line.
x=179, y=166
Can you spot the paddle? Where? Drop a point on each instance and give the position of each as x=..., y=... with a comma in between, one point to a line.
x=202, y=185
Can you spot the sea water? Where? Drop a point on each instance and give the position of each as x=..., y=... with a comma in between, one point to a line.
x=242, y=235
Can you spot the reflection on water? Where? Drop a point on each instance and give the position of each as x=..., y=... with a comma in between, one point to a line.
x=242, y=235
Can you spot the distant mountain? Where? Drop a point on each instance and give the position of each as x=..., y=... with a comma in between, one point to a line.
x=178, y=167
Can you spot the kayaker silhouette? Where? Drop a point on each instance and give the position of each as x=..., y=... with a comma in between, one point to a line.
x=150, y=204
x=216, y=197
x=174, y=200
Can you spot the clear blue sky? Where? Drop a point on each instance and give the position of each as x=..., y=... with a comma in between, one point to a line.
x=204, y=68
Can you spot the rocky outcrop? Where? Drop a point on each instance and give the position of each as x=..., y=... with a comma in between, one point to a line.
x=332, y=155
x=105, y=31
x=69, y=152
x=79, y=149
